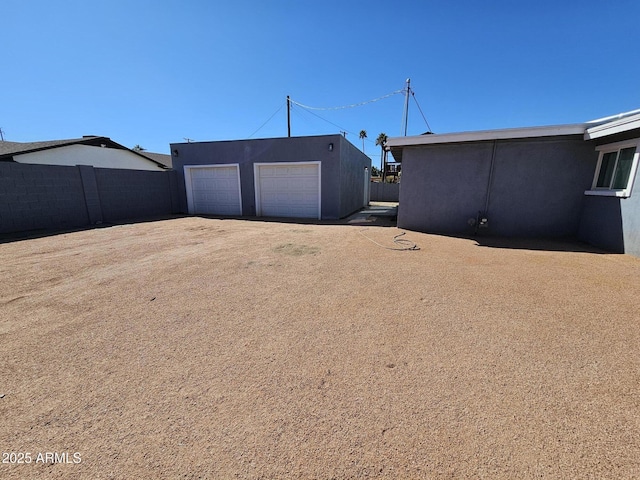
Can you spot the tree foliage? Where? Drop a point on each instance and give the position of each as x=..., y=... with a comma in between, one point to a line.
x=363, y=135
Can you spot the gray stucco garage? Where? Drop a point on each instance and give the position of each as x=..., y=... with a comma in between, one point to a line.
x=322, y=177
x=554, y=181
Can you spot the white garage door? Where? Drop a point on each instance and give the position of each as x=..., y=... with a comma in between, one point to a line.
x=288, y=189
x=213, y=189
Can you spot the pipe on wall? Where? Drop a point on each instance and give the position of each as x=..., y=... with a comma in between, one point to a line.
x=482, y=219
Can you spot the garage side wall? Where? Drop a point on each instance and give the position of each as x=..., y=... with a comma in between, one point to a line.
x=352, y=177
x=272, y=150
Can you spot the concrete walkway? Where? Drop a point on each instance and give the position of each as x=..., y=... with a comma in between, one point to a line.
x=377, y=213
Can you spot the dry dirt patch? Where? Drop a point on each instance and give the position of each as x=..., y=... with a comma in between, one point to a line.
x=202, y=348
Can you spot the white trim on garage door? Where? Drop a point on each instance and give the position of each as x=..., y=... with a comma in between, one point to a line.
x=288, y=189
x=213, y=189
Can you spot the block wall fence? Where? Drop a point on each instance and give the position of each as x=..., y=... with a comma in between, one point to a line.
x=36, y=197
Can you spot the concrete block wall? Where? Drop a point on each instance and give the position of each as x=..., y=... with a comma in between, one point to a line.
x=39, y=197
x=132, y=193
x=36, y=197
x=385, y=192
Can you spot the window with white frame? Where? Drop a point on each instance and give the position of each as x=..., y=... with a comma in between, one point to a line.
x=617, y=165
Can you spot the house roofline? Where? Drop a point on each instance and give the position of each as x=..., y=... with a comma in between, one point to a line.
x=615, y=117
x=620, y=125
x=89, y=140
x=485, y=135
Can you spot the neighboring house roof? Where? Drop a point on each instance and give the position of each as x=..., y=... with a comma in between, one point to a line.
x=162, y=158
x=9, y=149
x=593, y=129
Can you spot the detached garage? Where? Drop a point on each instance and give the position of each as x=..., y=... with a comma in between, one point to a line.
x=319, y=177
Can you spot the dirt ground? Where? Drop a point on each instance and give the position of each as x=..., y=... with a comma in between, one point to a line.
x=195, y=348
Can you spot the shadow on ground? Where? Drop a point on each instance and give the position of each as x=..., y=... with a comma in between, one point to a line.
x=376, y=214
x=44, y=232
x=546, y=244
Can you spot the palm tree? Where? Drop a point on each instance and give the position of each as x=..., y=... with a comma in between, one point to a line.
x=382, y=140
x=363, y=135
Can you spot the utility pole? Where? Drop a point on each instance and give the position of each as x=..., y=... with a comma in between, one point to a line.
x=1, y=134
x=288, y=116
x=405, y=120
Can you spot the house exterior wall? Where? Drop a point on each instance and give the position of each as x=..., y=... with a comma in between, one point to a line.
x=443, y=186
x=538, y=186
x=528, y=187
x=631, y=221
x=612, y=223
x=72, y=155
x=601, y=223
x=337, y=196
x=49, y=197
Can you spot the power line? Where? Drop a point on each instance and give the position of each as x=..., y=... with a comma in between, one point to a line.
x=324, y=119
x=269, y=119
x=298, y=111
x=405, y=91
x=424, y=118
x=353, y=105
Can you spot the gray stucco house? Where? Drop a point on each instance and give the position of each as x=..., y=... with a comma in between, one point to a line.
x=321, y=177
x=557, y=181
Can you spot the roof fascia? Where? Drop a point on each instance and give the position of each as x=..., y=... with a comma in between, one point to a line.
x=484, y=135
x=61, y=144
x=91, y=142
x=113, y=144
x=611, y=128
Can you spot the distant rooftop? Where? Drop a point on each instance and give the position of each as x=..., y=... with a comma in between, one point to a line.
x=9, y=149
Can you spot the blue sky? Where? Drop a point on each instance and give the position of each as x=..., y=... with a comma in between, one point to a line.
x=156, y=72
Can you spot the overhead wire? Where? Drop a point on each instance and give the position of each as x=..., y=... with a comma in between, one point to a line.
x=353, y=105
x=309, y=109
x=268, y=120
x=413, y=94
x=324, y=119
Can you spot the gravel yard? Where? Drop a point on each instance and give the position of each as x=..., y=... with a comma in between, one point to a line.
x=195, y=348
